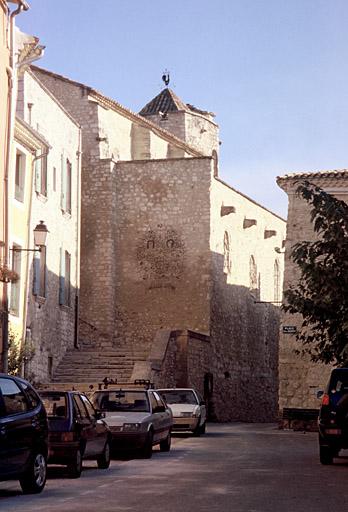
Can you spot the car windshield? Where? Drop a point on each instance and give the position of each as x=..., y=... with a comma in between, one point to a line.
x=123, y=401
x=55, y=404
x=179, y=396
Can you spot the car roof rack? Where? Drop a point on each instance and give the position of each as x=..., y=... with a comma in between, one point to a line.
x=111, y=385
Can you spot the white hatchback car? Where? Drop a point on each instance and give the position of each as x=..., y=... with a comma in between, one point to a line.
x=188, y=408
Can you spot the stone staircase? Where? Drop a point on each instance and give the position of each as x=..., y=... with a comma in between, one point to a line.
x=86, y=368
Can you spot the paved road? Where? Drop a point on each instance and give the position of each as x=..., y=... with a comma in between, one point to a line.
x=234, y=468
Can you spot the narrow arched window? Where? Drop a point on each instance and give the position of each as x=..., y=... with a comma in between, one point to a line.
x=277, y=293
x=253, y=284
x=227, y=255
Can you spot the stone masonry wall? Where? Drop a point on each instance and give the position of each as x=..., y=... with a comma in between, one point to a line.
x=244, y=331
x=299, y=378
x=162, y=247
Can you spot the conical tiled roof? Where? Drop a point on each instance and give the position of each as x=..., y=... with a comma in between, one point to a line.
x=165, y=101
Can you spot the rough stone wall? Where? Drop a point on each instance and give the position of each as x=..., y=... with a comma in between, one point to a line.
x=299, y=378
x=99, y=226
x=162, y=254
x=51, y=326
x=195, y=129
x=201, y=133
x=244, y=332
x=173, y=122
x=185, y=361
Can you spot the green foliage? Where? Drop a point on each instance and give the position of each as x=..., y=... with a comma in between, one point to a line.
x=321, y=296
x=17, y=354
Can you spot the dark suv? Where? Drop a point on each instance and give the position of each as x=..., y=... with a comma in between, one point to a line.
x=23, y=434
x=333, y=416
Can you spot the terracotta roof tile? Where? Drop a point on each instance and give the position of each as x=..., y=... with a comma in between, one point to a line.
x=165, y=101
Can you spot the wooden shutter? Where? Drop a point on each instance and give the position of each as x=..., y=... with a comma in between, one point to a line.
x=63, y=178
x=38, y=164
x=62, y=278
x=36, y=276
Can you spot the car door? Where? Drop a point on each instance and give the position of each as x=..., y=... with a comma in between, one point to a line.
x=202, y=407
x=98, y=431
x=166, y=417
x=155, y=417
x=17, y=427
x=84, y=426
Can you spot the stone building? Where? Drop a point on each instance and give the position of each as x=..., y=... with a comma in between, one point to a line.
x=45, y=186
x=176, y=265
x=299, y=378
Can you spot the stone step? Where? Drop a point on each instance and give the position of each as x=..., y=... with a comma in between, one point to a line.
x=90, y=375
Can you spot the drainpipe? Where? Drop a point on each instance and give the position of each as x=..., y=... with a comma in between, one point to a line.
x=23, y=6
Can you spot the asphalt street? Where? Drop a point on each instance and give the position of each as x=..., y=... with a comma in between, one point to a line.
x=234, y=467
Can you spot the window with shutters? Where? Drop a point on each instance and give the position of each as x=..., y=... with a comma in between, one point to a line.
x=67, y=279
x=66, y=180
x=16, y=286
x=20, y=176
x=68, y=186
x=40, y=271
x=41, y=174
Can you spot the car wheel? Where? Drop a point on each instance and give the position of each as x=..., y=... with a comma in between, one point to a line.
x=203, y=428
x=104, y=459
x=75, y=466
x=325, y=455
x=146, y=452
x=197, y=431
x=34, y=479
x=166, y=443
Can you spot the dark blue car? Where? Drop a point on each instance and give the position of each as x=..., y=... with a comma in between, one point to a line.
x=77, y=431
x=23, y=434
x=333, y=416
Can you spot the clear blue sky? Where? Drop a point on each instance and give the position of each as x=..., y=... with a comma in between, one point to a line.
x=273, y=71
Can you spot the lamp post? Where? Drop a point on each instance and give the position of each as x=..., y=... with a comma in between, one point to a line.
x=40, y=235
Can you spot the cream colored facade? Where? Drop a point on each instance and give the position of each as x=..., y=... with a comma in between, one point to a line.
x=4, y=126
x=27, y=144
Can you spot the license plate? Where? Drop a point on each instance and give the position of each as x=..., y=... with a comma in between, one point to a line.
x=333, y=431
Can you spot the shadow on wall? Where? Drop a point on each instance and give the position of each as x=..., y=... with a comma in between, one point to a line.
x=244, y=336
x=51, y=320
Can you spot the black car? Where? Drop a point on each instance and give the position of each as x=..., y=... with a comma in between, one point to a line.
x=76, y=431
x=333, y=416
x=23, y=434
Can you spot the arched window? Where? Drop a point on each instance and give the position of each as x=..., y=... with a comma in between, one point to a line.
x=277, y=293
x=253, y=284
x=227, y=255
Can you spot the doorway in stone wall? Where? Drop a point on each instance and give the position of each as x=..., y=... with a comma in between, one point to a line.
x=208, y=387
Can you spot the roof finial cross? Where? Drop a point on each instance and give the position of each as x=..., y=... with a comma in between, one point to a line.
x=166, y=77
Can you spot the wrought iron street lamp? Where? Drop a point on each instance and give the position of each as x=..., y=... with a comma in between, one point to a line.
x=40, y=235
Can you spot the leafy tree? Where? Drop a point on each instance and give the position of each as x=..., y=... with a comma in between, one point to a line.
x=321, y=296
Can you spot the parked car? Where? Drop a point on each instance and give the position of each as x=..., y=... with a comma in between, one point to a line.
x=188, y=408
x=77, y=431
x=138, y=419
x=23, y=434
x=333, y=416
